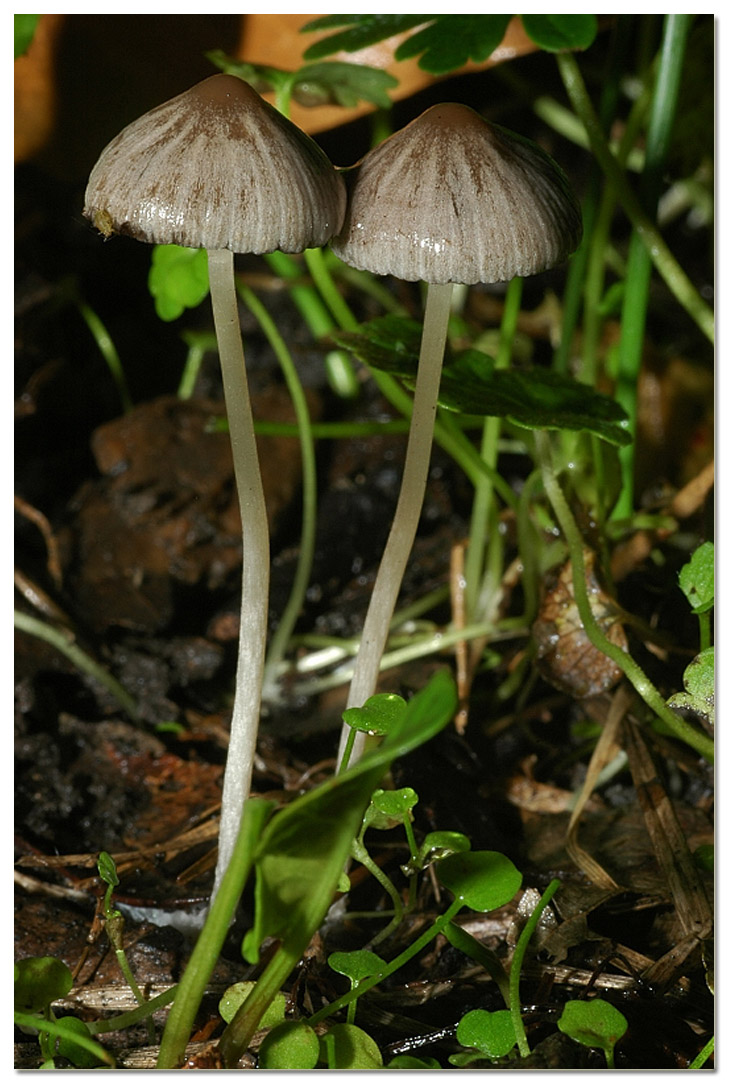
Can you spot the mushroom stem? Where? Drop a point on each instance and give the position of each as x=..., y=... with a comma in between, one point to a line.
x=410, y=502
x=256, y=557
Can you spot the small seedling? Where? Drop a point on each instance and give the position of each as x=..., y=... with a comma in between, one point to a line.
x=39, y=982
x=357, y=965
x=594, y=1024
x=114, y=927
x=379, y=715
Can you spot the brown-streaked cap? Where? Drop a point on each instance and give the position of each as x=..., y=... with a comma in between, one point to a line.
x=453, y=198
x=216, y=168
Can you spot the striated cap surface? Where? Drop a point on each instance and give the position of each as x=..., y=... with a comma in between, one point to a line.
x=217, y=168
x=453, y=198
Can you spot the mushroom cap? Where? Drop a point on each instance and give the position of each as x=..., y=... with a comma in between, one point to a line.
x=453, y=198
x=217, y=168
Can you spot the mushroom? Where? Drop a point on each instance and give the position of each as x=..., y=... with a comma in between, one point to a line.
x=218, y=168
x=448, y=199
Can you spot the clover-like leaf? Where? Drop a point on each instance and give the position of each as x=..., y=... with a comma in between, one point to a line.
x=379, y=715
x=697, y=579
x=699, y=685
x=178, y=279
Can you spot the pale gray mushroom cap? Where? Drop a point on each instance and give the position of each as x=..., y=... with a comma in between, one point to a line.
x=453, y=198
x=217, y=168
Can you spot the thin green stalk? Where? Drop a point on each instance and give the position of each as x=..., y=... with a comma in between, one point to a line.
x=361, y=855
x=61, y=640
x=666, y=264
x=626, y=663
x=372, y=981
x=207, y=949
x=483, y=515
x=318, y=319
x=108, y=351
x=639, y=268
x=282, y=634
x=700, y=1060
x=198, y=344
x=515, y=1006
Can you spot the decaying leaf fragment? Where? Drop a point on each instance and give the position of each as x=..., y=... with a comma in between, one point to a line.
x=565, y=655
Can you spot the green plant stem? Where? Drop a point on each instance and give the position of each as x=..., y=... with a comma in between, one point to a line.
x=56, y=1029
x=663, y=259
x=361, y=855
x=282, y=634
x=372, y=981
x=61, y=640
x=207, y=949
x=256, y=557
x=699, y=1061
x=484, y=512
x=198, y=344
x=133, y=1017
x=639, y=268
x=108, y=351
x=318, y=319
x=515, y=1006
x=627, y=664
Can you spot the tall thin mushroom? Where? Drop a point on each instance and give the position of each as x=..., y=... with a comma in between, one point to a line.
x=448, y=199
x=220, y=169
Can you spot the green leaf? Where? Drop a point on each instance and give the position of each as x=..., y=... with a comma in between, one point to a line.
x=178, y=279
x=697, y=579
x=341, y=83
x=452, y=40
x=379, y=715
x=304, y=847
x=347, y=1047
x=440, y=844
x=492, y=1034
x=394, y=804
x=471, y=384
x=594, y=1024
x=107, y=869
x=699, y=684
x=410, y=1062
x=292, y=1045
x=362, y=31
x=82, y=1056
x=482, y=880
x=556, y=33
x=234, y=997
x=39, y=981
x=335, y=82
x=23, y=31
x=357, y=964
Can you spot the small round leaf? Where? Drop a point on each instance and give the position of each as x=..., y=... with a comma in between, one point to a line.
x=492, y=1034
x=482, y=880
x=594, y=1024
x=293, y=1045
x=347, y=1047
x=39, y=981
x=379, y=715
